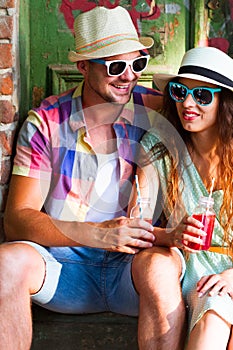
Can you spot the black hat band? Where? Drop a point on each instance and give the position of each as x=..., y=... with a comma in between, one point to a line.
x=208, y=73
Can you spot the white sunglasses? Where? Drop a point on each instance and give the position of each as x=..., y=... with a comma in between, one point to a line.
x=118, y=67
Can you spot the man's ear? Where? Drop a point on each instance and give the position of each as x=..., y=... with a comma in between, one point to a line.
x=82, y=66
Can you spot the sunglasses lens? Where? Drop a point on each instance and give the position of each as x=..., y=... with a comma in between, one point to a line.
x=139, y=64
x=202, y=96
x=178, y=92
x=116, y=68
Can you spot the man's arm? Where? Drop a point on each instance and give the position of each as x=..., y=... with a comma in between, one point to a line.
x=25, y=221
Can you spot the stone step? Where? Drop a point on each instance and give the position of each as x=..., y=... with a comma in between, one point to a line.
x=101, y=331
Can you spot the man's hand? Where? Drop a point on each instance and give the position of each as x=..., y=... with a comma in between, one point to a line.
x=119, y=235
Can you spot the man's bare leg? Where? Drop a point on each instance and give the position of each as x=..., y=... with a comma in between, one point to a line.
x=21, y=273
x=162, y=319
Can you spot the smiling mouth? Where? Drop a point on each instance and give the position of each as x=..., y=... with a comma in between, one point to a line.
x=121, y=87
x=190, y=116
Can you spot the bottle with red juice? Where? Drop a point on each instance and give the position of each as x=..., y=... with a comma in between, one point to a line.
x=204, y=213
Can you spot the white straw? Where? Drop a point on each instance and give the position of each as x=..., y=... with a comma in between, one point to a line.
x=211, y=192
x=139, y=195
x=212, y=187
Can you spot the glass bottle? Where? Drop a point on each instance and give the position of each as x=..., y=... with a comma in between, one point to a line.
x=142, y=210
x=204, y=212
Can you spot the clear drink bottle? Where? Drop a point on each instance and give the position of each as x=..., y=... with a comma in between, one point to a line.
x=204, y=212
x=142, y=210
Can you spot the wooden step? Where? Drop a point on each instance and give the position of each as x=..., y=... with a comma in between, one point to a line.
x=101, y=331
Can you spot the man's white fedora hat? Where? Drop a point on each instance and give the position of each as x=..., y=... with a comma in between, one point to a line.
x=103, y=32
x=206, y=64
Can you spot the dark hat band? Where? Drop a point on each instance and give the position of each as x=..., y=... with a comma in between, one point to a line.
x=208, y=73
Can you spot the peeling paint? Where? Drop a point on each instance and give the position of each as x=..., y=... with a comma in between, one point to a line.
x=172, y=8
x=68, y=7
x=46, y=55
x=37, y=96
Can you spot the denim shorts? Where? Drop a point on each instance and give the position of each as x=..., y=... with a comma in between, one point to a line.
x=88, y=280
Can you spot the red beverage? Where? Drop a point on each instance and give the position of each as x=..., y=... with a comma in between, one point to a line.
x=208, y=222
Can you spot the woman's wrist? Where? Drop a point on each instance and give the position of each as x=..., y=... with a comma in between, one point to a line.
x=163, y=237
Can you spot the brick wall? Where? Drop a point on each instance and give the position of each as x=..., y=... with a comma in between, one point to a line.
x=9, y=83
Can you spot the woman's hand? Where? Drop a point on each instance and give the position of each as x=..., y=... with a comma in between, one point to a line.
x=189, y=230
x=218, y=284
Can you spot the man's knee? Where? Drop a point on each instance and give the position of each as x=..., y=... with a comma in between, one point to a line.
x=20, y=264
x=157, y=259
x=157, y=265
x=15, y=254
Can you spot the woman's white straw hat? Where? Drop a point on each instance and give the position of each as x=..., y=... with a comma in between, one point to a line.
x=103, y=32
x=206, y=64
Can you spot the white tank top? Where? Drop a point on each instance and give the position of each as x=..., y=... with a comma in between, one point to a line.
x=104, y=203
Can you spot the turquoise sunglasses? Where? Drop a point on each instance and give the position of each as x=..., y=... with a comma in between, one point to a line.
x=202, y=95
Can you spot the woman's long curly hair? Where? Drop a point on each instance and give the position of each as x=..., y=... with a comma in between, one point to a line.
x=225, y=171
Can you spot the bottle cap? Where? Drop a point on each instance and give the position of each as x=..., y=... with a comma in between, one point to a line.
x=206, y=200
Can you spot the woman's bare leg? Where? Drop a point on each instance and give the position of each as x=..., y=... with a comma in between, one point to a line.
x=230, y=343
x=211, y=332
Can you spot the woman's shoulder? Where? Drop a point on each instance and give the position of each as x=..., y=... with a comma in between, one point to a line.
x=150, y=139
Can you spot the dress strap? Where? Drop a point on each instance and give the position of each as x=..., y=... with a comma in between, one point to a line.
x=221, y=250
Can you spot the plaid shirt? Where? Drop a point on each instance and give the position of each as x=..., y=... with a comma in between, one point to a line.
x=53, y=146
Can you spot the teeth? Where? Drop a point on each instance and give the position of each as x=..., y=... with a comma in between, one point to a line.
x=190, y=115
x=120, y=87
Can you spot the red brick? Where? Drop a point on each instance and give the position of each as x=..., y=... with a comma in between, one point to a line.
x=6, y=84
x=6, y=167
x=5, y=56
x=7, y=112
x=6, y=27
x=6, y=143
x=7, y=4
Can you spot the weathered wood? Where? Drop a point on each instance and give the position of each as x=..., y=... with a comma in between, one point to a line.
x=83, y=332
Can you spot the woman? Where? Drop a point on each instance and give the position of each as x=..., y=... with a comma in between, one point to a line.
x=198, y=105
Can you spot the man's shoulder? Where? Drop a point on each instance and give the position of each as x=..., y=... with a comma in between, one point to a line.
x=55, y=108
x=148, y=97
x=55, y=101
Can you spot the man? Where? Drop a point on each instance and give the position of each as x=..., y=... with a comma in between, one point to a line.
x=69, y=194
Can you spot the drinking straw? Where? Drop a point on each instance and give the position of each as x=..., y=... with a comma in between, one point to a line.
x=212, y=187
x=139, y=195
x=211, y=192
